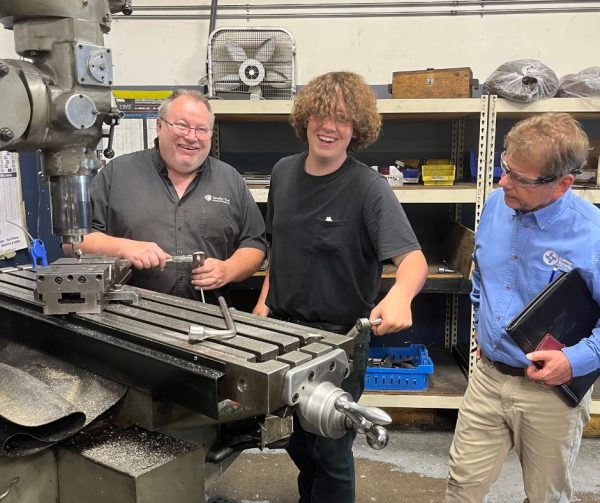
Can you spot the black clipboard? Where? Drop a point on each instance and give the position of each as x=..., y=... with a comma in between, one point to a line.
x=566, y=310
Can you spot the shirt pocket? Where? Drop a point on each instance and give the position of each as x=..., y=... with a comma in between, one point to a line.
x=217, y=223
x=329, y=235
x=538, y=279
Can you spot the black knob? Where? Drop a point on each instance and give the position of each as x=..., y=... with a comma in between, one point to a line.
x=109, y=153
x=6, y=134
x=127, y=9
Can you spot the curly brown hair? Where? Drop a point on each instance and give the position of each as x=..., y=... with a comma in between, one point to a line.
x=343, y=96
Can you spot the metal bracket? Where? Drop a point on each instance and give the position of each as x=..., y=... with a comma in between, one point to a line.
x=332, y=366
x=93, y=65
x=118, y=294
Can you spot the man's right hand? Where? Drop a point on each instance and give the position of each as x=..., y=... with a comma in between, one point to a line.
x=143, y=254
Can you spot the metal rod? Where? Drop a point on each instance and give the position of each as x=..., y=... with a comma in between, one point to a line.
x=354, y=5
x=213, y=16
x=316, y=15
x=199, y=333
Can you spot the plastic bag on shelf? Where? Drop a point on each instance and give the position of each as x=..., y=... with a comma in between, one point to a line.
x=584, y=84
x=524, y=80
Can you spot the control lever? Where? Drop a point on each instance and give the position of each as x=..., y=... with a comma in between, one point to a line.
x=367, y=420
x=111, y=119
x=127, y=8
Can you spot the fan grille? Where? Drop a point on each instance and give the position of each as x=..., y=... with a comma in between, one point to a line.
x=279, y=72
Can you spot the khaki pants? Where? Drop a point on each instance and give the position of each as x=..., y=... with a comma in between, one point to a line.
x=500, y=412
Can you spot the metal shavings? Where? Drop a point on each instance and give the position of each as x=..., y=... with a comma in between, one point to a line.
x=133, y=451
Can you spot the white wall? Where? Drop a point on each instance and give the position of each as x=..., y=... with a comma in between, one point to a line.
x=173, y=52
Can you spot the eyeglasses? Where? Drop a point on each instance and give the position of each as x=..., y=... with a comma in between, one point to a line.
x=179, y=129
x=342, y=119
x=522, y=180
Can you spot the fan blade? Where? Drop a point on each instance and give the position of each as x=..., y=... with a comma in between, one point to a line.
x=255, y=92
x=227, y=82
x=276, y=80
x=236, y=51
x=266, y=50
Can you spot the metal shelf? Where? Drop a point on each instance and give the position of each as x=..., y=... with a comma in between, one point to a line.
x=240, y=110
x=415, y=400
x=459, y=193
x=588, y=108
x=420, y=400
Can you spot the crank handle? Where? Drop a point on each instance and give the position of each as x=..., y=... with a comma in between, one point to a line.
x=367, y=420
x=377, y=437
x=362, y=326
x=357, y=412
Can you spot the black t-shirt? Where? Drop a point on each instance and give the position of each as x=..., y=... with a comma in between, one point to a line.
x=330, y=235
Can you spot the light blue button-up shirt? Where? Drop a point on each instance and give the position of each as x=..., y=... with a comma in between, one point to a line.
x=515, y=254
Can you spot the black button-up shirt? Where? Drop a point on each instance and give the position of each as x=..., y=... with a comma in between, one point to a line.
x=133, y=198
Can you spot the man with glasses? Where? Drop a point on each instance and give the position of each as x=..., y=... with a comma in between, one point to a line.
x=174, y=199
x=531, y=229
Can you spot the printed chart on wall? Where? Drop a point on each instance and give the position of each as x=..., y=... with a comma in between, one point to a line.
x=137, y=128
x=12, y=236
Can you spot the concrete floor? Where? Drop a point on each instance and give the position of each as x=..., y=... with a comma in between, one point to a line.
x=411, y=469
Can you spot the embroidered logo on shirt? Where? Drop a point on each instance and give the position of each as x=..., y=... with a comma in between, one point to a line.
x=217, y=199
x=551, y=258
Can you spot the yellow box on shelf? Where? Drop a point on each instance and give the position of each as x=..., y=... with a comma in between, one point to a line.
x=446, y=162
x=438, y=174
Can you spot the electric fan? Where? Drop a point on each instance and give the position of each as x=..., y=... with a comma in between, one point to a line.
x=258, y=62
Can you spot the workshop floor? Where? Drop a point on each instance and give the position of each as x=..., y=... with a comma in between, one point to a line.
x=411, y=469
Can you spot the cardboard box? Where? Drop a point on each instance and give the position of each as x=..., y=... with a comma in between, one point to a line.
x=430, y=83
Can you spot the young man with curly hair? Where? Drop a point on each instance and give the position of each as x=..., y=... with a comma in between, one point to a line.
x=332, y=222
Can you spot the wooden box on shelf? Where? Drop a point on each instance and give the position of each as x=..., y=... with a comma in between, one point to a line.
x=431, y=83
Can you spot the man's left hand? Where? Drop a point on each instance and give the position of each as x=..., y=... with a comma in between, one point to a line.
x=555, y=367
x=211, y=275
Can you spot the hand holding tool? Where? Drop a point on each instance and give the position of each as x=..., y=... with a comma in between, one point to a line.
x=362, y=326
x=196, y=259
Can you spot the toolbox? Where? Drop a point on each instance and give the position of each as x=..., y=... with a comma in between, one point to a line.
x=431, y=83
x=409, y=371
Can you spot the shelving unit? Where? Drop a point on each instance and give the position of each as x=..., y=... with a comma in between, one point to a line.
x=448, y=383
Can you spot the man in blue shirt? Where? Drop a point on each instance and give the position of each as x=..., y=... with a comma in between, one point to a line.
x=532, y=229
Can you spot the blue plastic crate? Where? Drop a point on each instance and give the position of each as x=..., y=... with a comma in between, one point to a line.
x=400, y=379
x=473, y=159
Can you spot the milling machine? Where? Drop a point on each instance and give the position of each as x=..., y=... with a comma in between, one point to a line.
x=203, y=382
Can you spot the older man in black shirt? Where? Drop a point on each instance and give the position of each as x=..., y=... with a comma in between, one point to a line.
x=173, y=200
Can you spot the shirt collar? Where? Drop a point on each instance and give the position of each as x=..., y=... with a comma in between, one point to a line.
x=160, y=165
x=546, y=216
